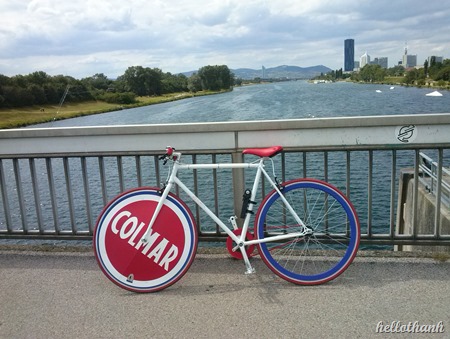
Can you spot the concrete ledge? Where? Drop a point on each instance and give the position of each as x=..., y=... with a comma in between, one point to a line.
x=374, y=131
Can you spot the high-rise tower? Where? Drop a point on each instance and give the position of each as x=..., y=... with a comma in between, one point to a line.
x=349, y=55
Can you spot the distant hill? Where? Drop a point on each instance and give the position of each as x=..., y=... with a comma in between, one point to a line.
x=284, y=71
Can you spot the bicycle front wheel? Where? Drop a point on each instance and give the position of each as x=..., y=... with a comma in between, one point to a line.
x=320, y=256
x=145, y=267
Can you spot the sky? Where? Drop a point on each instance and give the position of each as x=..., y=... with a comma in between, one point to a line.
x=81, y=38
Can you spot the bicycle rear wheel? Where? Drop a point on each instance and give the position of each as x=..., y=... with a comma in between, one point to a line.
x=150, y=267
x=316, y=258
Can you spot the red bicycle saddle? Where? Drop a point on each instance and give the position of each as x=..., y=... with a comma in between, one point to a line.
x=263, y=152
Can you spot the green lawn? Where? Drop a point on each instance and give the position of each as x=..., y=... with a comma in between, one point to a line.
x=19, y=117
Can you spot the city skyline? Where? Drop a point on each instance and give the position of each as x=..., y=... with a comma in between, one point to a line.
x=407, y=60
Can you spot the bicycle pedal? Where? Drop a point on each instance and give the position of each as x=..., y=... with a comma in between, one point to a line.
x=233, y=222
x=250, y=271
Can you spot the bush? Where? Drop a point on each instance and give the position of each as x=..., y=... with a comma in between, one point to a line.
x=119, y=98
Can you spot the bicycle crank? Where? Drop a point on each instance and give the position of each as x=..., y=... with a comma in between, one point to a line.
x=231, y=245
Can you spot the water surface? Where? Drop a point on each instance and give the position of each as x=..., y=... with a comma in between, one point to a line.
x=283, y=100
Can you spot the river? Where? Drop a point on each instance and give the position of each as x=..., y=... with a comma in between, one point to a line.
x=282, y=100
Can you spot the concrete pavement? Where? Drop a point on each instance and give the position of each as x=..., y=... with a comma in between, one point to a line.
x=65, y=295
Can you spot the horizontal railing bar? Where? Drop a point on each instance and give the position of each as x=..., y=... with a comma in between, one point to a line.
x=326, y=133
x=286, y=149
x=227, y=126
x=223, y=237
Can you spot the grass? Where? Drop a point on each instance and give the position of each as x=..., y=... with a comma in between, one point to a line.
x=394, y=80
x=24, y=116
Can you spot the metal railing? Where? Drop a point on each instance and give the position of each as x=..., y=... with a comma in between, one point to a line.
x=429, y=178
x=55, y=182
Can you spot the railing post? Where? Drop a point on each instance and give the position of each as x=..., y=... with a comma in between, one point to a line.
x=238, y=185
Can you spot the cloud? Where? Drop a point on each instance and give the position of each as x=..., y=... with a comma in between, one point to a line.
x=84, y=37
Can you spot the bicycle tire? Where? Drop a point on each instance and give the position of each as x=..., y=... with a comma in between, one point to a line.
x=150, y=267
x=313, y=259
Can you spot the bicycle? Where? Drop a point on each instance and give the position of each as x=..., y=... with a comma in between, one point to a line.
x=306, y=230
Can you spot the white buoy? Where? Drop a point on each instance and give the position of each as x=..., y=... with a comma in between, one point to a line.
x=392, y=87
x=378, y=91
x=434, y=94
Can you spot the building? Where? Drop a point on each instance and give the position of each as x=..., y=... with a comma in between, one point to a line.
x=383, y=62
x=364, y=60
x=264, y=73
x=349, y=55
x=436, y=59
x=409, y=60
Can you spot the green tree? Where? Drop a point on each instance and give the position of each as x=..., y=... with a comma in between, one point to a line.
x=396, y=71
x=174, y=83
x=4, y=80
x=415, y=75
x=38, y=94
x=194, y=83
x=215, y=78
x=143, y=81
x=372, y=73
x=16, y=96
x=434, y=67
x=443, y=74
x=19, y=81
x=425, y=67
x=124, y=98
x=439, y=70
x=98, y=81
x=38, y=78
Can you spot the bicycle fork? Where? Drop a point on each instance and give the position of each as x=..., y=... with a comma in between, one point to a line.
x=165, y=192
x=160, y=204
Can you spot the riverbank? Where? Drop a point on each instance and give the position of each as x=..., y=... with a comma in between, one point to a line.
x=393, y=81
x=24, y=116
x=400, y=81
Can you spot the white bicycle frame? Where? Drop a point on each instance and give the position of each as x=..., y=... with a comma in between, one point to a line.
x=239, y=240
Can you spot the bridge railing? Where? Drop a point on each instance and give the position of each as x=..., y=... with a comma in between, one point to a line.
x=54, y=182
x=430, y=171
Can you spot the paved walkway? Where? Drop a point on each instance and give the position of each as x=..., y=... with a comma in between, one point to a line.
x=64, y=295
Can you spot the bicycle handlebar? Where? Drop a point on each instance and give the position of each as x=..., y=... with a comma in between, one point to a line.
x=169, y=155
x=169, y=150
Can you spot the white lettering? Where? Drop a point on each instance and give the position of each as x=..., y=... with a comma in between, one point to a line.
x=379, y=328
x=170, y=256
x=158, y=250
x=129, y=229
x=124, y=234
x=116, y=220
x=150, y=241
x=411, y=327
x=135, y=234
